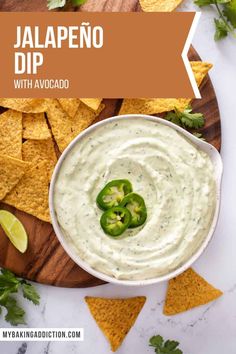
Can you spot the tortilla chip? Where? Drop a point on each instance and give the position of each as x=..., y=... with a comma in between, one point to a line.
x=159, y=5
x=186, y=291
x=160, y=105
x=37, y=151
x=115, y=317
x=70, y=105
x=11, y=171
x=35, y=126
x=92, y=103
x=26, y=105
x=31, y=193
x=152, y=105
x=11, y=134
x=65, y=128
x=200, y=69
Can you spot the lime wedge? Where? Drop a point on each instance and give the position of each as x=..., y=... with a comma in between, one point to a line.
x=14, y=230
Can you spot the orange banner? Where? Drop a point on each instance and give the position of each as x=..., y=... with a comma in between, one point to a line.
x=94, y=55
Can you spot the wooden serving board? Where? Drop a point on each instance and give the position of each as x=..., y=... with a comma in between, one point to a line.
x=90, y=6
x=45, y=261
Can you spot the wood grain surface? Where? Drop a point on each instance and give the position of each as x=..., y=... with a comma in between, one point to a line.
x=23, y=5
x=45, y=261
x=90, y=6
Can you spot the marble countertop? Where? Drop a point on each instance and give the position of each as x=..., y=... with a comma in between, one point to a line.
x=209, y=329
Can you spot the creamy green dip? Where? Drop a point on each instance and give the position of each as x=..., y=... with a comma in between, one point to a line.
x=175, y=178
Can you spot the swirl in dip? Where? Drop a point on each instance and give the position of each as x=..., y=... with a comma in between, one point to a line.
x=175, y=178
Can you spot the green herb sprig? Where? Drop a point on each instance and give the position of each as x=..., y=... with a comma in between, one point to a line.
x=226, y=22
x=186, y=118
x=9, y=284
x=199, y=136
x=54, y=4
x=164, y=347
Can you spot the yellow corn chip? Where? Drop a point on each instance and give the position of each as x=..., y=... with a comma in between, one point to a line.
x=37, y=151
x=159, y=105
x=92, y=103
x=70, y=105
x=31, y=193
x=200, y=69
x=11, y=134
x=11, y=171
x=65, y=128
x=153, y=105
x=115, y=317
x=188, y=290
x=35, y=126
x=159, y=5
x=26, y=105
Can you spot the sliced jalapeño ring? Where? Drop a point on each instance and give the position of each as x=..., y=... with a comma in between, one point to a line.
x=113, y=193
x=115, y=221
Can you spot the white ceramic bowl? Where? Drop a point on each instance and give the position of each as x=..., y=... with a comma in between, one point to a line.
x=218, y=169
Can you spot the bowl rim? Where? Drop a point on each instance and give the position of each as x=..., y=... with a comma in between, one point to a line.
x=202, y=145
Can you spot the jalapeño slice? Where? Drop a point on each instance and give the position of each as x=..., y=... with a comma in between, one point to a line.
x=113, y=193
x=115, y=221
x=136, y=205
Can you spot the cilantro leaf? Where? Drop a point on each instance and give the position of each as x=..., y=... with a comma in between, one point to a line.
x=226, y=23
x=78, y=2
x=174, y=118
x=192, y=120
x=7, y=279
x=30, y=293
x=10, y=284
x=222, y=1
x=8, y=274
x=54, y=4
x=221, y=29
x=230, y=12
x=199, y=136
x=164, y=347
x=201, y=3
x=171, y=344
x=4, y=293
x=15, y=314
x=156, y=341
x=186, y=119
